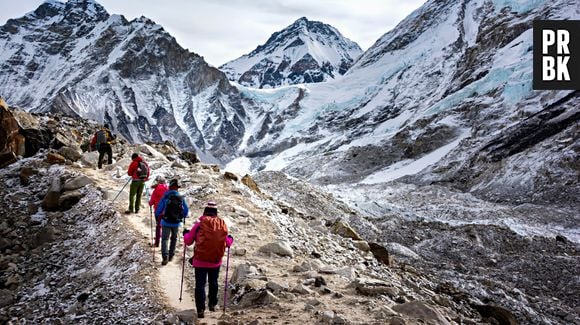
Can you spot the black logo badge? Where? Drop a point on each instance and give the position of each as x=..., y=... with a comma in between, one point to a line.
x=556, y=54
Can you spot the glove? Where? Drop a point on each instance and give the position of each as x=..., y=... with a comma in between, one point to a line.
x=229, y=240
x=185, y=231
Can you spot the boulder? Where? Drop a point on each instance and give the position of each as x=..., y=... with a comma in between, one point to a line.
x=422, y=311
x=10, y=138
x=25, y=173
x=301, y=289
x=190, y=157
x=496, y=314
x=35, y=139
x=70, y=153
x=6, y=298
x=54, y=158
x=77, y=182
x=401, y=250
x=278, y=248
x=7, y=158
x=43, y=236
x=90, y=159
x=250, y=183
x=245, y=272
x=362, y=245
x=239, y=252
x=51, y=200
x=381, y=254
x=342, y=229
x=257, y=298
x=372, y=287
x=64, y=140
x=231, y=176
x=276, y=287
x=68, y=199
x=327, y=316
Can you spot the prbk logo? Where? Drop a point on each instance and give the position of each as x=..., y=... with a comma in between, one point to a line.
x=556, y=54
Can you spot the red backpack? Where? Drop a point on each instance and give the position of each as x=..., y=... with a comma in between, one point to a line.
x=210, y=244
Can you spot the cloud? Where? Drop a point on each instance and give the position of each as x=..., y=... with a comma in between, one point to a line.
x=223, y=30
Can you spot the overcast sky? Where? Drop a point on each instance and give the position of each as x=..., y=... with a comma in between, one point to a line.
x=223, y=30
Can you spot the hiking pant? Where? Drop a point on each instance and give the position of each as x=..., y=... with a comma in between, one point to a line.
x=137, y=187
x=165, y=232
x=105, y=148
x=157, y=231
x=201, y=275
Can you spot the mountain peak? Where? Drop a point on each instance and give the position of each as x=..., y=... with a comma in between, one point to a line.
x=305, y=51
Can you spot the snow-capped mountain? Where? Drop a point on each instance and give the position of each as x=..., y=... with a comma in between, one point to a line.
x=447, y=92
x=304, y=52
x=74, y=57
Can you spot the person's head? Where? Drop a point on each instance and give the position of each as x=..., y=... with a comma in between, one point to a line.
x=173, y=184
x=106, y=126
x=211, y=209
x=160, y=179
x=134, y=156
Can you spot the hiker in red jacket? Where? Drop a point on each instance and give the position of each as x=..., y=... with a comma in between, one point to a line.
x=211, y=238
x=139, y=172
x=159, y=189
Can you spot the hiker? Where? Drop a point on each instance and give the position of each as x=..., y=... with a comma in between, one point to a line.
x=139, y=172
x=159, y=189
x=211, y=238
x=172, y=210
x=103, y=139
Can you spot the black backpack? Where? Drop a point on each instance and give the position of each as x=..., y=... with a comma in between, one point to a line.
x=101, y=136
x=142, y=170
x=173, y=209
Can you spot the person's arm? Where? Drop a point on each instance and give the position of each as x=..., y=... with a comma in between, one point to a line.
x=189, y=237
x=132, y=168
x=161, y=207
x=185, y=209
x=154, y=196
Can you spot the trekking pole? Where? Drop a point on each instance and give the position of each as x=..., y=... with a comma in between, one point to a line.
x=151, y=226
x=182, y=271
x=226, y=285
x=121, y=190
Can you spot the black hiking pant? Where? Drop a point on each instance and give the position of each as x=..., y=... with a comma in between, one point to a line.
x=201, y=275
x=105, y=148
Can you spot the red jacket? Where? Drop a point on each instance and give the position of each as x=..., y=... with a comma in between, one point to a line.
x=133, y=169
x=157, y=195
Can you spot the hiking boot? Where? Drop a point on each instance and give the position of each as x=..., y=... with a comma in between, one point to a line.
x=136, y=211
x=128, y=212
x=170, y=258
x=212, y=308
x=200, y=314
x=164, y=262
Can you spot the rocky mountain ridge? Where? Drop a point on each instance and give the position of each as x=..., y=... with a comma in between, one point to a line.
x=77, y=59
x=304, y=52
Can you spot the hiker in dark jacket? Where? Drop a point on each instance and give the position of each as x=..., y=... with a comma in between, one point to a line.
x=103, y=140
x=211, y=238
x=171, y=215
x=138, y=177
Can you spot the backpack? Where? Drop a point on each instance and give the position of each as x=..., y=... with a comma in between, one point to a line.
x=210, y=243
x=173, y=209
x=93, y=143
x=142, y=170
x=101, y=137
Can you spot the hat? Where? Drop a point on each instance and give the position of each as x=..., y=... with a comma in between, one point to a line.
x=211, y=204
x=160, y=179
x=173, y=183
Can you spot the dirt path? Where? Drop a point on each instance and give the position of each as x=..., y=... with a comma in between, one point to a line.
x=168, y=277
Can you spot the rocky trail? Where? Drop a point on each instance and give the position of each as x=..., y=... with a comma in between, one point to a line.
x=70, y=255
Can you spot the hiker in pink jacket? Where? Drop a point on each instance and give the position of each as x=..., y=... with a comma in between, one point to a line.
x=159, y=189
x=211, y=238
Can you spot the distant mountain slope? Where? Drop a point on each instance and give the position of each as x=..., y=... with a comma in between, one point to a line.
x=304, y=52
x=75, y=58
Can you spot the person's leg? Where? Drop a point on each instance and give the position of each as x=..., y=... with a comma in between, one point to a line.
x=101, y=154
x=213, y=275
x=174, y=231
x=132, y=193
x=109, y=154
x=200, y=278
x=164, y=238
x=157, y=232
x=140, y=187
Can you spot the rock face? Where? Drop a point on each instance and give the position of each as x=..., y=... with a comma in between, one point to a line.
x=107, y=81
x=11, y=141
x=304, y=52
